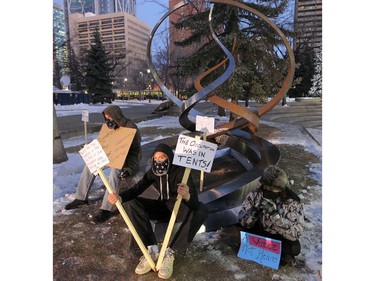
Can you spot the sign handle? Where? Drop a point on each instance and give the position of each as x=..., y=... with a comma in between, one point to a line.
x=85, y=126
x=128, y=221
x=172, y=221
x=202, y=172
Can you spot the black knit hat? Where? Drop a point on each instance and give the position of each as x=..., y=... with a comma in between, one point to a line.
x=162, y=147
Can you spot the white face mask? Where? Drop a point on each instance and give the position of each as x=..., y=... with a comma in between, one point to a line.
x=160, y=168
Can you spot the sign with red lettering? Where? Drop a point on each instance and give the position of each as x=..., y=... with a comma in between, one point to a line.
x=262, y=250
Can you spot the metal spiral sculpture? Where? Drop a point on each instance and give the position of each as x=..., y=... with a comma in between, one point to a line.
x=236, y=138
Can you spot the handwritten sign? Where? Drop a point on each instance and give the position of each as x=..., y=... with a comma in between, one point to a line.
x=263, y=250
x=205, y=124
x=116, y=144
x=194, y=153
x=94, y=156
x=85, y=116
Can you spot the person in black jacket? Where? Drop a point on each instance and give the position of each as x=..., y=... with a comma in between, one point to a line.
x=114, y=119
x=165, y=177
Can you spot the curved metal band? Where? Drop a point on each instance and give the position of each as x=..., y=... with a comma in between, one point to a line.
x=187, y=106
x=287, y=83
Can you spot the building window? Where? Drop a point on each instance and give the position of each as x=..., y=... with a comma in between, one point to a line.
x=118, y=20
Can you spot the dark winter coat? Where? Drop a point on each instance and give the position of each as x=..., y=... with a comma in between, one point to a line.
x=134, y=154
x=166, y=185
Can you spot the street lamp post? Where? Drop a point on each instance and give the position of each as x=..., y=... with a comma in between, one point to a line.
x=149, y=88
x=143, y=82
x=125, y=80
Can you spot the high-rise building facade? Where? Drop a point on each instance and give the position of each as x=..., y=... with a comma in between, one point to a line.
x=121, y=33
x=59, y=38
x=308, y=23
x=99, y=7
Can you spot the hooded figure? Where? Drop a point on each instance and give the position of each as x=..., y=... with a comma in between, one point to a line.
x=166, y=178
x=165, y=182
x=129, y=168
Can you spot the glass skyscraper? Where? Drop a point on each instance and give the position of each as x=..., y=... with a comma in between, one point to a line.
x=100, y=7
x=59, y=37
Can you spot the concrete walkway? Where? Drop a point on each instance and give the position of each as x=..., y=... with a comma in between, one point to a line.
x=307, y=114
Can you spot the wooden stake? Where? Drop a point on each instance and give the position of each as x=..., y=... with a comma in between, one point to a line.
x=128, y=221
x=85, y=126
x=172, y=221
x=202, y=172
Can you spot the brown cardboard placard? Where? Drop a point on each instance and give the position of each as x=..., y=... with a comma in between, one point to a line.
x=116, y=144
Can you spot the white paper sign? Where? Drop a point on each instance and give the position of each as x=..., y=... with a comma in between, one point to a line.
x=205, y=124
x=85, y=116
x=94, y=156
x=194, y=153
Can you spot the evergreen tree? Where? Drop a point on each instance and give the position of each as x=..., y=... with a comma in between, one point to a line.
x=304, y=71
x=316, y=88
x=260, y=57
x=99, y=72
x=77, y=72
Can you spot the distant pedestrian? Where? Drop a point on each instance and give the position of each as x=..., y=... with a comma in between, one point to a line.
x=114, y=119
x=275, y=211
x=167, y=178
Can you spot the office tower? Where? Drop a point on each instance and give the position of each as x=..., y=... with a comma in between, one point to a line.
x=308, y=23
x=121, y=33
x=99, y=7
x=59, y=38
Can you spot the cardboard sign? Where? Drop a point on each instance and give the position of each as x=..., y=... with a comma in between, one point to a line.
x=116, y=144
x=94, y=156
x=205, y=124
x=194, y=153
x=85, y=116
x=262, y=250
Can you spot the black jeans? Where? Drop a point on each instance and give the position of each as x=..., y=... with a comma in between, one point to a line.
x=141, y=210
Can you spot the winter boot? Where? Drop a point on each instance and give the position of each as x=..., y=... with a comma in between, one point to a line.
x=75, y=204
x=102, y=216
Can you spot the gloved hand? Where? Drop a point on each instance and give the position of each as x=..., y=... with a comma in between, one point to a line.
x=268, y=206
x=123, y=174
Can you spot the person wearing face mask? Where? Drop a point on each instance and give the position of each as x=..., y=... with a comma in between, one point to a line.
x=275, y=211
x=166, y=178
x=114, y=119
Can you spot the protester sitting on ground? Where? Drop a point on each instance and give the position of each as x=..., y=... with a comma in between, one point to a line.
x=167, y=178
x=274, y=211
x=114, y=119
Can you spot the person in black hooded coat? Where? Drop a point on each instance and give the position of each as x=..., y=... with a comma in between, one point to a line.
x=166, y=178
x=114, y=119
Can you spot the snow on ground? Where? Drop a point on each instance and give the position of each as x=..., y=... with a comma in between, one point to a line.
x=66, y=175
